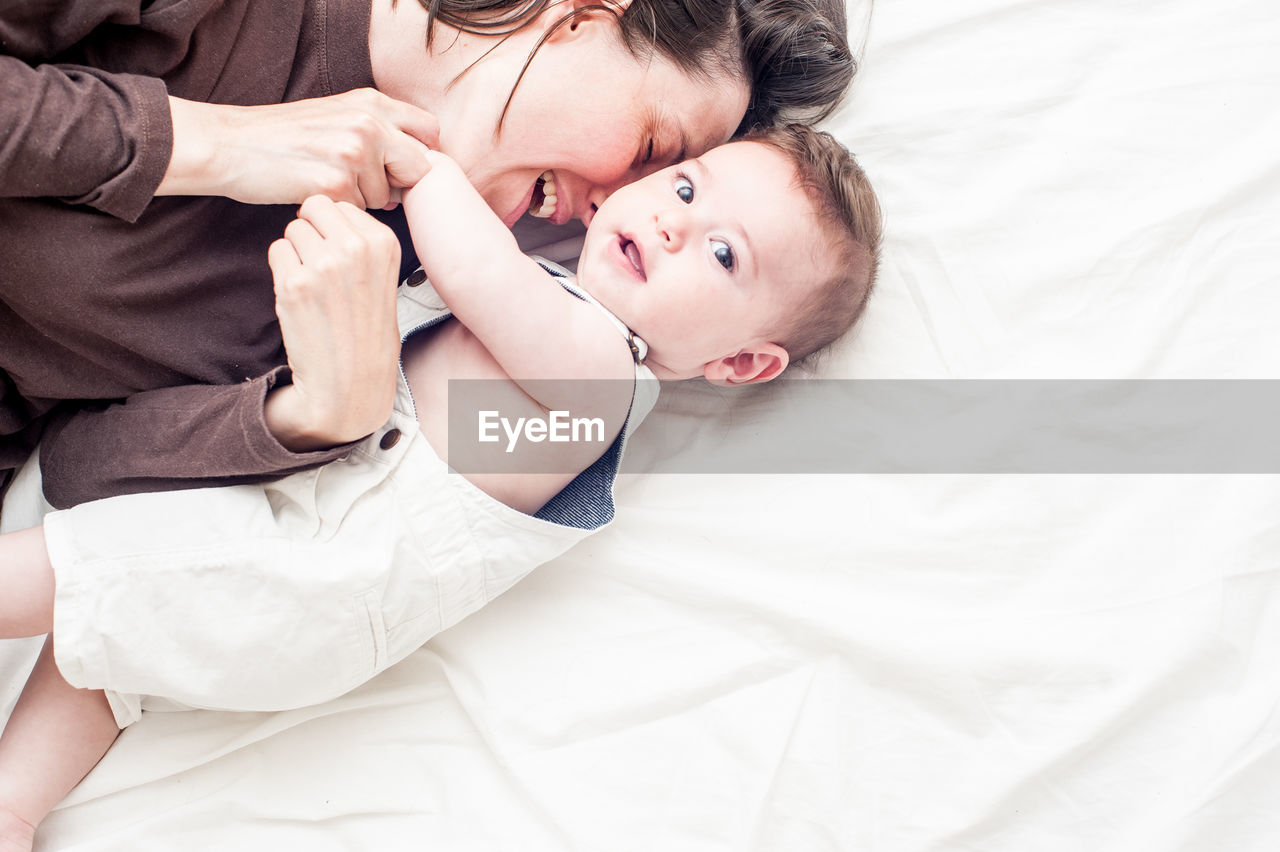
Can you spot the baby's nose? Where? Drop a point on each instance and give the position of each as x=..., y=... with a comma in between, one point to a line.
x=672, y=225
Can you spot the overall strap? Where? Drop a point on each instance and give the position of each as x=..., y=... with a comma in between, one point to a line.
x=639, y=349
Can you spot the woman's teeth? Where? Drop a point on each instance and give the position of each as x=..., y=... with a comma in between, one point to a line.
x=546, y=207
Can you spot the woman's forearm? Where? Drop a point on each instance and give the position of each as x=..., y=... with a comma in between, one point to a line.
x=82, y=135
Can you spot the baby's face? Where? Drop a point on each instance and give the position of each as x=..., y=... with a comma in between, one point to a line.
x=707, y=257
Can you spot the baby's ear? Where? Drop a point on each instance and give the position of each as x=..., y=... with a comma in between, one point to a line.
x=758, y=363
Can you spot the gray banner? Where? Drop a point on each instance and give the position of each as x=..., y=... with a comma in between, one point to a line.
x=908, y=426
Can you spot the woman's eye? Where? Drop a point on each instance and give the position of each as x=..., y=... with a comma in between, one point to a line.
x=684, y=189
x=724, y=254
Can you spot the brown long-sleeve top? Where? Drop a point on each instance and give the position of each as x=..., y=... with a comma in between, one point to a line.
x=107, y=293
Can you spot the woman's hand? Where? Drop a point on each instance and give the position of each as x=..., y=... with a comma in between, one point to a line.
x=335, y=273
x=360, y=147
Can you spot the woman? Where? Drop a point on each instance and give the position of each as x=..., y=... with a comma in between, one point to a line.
x=141, y=129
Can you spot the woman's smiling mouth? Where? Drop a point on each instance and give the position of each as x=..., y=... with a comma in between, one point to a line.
x=543, y=203
x=541, y=200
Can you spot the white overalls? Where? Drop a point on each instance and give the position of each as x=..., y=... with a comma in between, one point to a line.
x=293, y=592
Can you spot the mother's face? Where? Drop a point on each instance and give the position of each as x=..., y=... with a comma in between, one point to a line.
x=597, y=117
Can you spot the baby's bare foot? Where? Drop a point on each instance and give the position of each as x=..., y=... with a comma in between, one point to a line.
x=16, y=834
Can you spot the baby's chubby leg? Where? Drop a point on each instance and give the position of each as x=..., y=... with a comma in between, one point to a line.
x=57, y=733
x=26, y=608
x=15, y=834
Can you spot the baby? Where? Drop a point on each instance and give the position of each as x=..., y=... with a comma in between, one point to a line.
x=729, y=266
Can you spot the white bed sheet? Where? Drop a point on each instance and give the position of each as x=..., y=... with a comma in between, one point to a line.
x=1073, y=189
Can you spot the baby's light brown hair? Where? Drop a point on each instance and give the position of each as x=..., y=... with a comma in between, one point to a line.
x=849, y=214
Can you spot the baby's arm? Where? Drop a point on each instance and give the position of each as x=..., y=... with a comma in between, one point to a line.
x=531, y=326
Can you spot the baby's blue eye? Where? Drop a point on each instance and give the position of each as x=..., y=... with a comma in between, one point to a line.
x=684, y=189
x=724, y=254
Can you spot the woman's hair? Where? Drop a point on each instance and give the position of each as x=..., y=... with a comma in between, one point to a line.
x=850, y=219
x=797, y=53
x=794, y=53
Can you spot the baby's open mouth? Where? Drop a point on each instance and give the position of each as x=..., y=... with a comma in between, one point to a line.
x=632, y=253
x=543, y=203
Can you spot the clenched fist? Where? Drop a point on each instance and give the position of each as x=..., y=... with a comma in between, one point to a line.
x=335, y=270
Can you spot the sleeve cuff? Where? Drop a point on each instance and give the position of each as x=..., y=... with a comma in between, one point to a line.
x=127, y=194
x=264, y=445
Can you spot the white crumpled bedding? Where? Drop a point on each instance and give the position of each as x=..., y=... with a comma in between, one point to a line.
x=873, y=661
